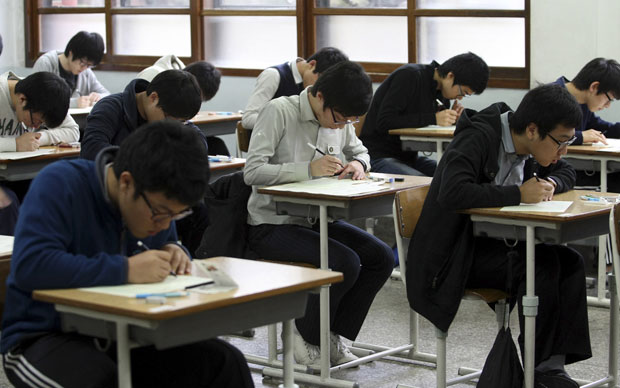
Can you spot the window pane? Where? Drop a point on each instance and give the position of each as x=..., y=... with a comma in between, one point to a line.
x=152, y=35
x=361, y=4
x=58, y=29
x=382, y=38
x=471, y=4
x=274, y=40
x=150, y=3
x=499, y=41
x=249, y=4
x=71, y=3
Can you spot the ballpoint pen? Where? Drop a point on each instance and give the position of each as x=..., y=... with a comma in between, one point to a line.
x=145, y=248
x=316, y=149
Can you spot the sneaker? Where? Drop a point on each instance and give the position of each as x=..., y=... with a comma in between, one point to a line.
x=339, y=353
x=305, y=353
x=553, y=379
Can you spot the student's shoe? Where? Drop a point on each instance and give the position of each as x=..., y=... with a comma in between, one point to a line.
x=305, y=353
x=553, y=379
x=339, y=353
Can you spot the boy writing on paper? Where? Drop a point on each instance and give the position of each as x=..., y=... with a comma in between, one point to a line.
x=416, y=96
x=491, y=162
x=84, y=51
x=321, y=115
x=79, y=227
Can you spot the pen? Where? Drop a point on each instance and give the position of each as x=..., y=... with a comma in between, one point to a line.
x=200, y=284
x=174, y=294
x=145, y=248
x=440, y=104
x=538, y=179
x=316, y=149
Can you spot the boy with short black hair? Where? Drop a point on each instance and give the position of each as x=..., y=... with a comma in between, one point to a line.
x=416, y=96
x=29, y=103
x=80, y=226
x=491, y=162
x=84, y=50
x=288, y=79
x=321, y=115
x=173, y=94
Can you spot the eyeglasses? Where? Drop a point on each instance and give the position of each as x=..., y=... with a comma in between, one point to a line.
x=609, y=98
x=159, y=217
x=340, y=122
x=32, y=123
x=563, y=144
x=461, y=94
x=84, y=63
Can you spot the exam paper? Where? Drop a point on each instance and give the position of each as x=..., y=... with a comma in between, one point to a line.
x=6, y=245
x=24, y=154
x=436, y=127
x=546, y=207
x=613, y=145
x=170, y=284
x=333, y=186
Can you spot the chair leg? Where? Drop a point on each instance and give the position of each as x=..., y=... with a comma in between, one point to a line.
x=414, y=331
x=501, y=313
x=441, y=358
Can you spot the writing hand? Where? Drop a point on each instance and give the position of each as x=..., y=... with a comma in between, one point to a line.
x=29, y=141
x=179, y=262
x=534, y=191
x=326, y=166
x=149, y=266
x=354, y=168
x=446, y=117
x=593, y=136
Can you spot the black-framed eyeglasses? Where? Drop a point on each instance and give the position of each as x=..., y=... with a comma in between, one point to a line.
x=609, y=98
x=563, y=144
x=159, y=216
x=461, y=94
x=357, y=119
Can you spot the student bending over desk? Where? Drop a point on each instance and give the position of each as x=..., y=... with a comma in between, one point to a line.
x=321, y=115
x=79, y=227
x=488, y=164
x=416, y=96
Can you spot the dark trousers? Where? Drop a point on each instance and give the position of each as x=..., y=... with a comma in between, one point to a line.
x=420, y=166
x=8, y=214
x=217, y=146
x=365, y=261
x=72, y=360
x=562, y=320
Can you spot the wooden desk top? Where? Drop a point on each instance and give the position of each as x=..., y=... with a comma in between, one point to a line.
x=256, y=280
x=236, y=163
x=59, y=153
x=205, y=117
x=580, y=209
x=447, y=133
x=409, y=182
x=595, y=150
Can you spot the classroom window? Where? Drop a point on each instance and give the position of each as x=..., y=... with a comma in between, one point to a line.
x=242, y=37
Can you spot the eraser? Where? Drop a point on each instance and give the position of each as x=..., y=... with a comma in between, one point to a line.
x=155, y=299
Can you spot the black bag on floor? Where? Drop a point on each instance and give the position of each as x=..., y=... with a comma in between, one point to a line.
x=502, y=367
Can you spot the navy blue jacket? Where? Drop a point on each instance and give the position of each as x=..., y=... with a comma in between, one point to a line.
x=591, y=121
x=68, y=235
x=406, y=99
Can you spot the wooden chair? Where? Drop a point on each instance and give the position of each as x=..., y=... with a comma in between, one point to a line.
x=407, y=209
x=243, y=138
x=358, y=126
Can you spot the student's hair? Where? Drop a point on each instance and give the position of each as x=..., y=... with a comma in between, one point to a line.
x=468, y=69
x=208, y=78
x=179, y=93
x=166, y=157
x=87, y=45
x=346, y=88
x=327, y=57
x=46, y=93
x=547, y=106
x=605, y=71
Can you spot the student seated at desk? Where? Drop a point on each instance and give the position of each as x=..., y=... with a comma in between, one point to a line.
x=288, y=79
x=79, y=227
x=595, y=87
x=208, y=78
x=416, y=96
x=84, y=51
x=321, y=115
x=172, y=94
x=491, y=162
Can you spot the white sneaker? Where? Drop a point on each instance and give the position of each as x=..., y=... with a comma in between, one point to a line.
x=339, y=353
x=305, y=353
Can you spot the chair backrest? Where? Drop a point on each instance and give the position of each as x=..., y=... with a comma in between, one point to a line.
x=407, y=209
x=358, y=126
x=614, y=235
x=243, y=137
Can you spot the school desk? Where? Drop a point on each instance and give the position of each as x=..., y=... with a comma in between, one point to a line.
x=335, y=204
x=225, y=166
x=22, y=169
x=216, y=123
x=582, y=219
x=6, y=250
x=267, y=293
x=427, y=139
x=80, y=115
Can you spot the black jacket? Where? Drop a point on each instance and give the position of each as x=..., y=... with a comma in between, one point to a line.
x=440, y=251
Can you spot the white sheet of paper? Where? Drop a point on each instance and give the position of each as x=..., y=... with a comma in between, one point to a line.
x=24, y=155
x=613, y=145
x=170, y=284
x=333, y=186
x=546, y=207
x=6, y=244
x=80, y=111
x=436, y=127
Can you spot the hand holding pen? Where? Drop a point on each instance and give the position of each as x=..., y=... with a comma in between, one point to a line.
x=326, y=166
x=536, y=189
x=150, y=266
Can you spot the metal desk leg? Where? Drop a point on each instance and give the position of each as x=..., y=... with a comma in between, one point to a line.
x=602, y=242
x=613, y=330
x=287, y=339
x=324, y=297
x=123, y=354
x=530, y=308
x=439, y=150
